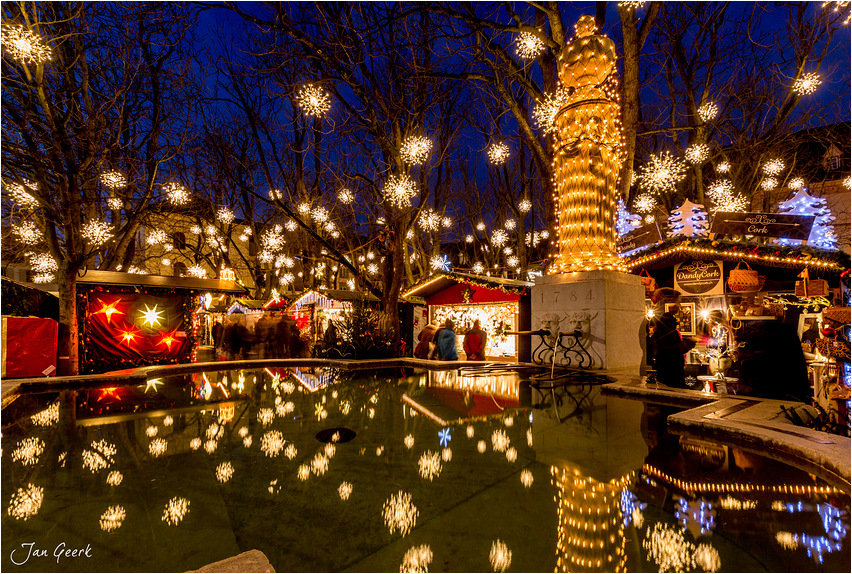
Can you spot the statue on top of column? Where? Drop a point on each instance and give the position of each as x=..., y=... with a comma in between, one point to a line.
x=587, y=154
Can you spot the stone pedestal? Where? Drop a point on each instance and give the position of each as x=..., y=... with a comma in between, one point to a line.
x=608, y=307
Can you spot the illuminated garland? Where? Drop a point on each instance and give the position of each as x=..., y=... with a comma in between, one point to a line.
x=511, y=289
x=90, y=364
x=771, y=255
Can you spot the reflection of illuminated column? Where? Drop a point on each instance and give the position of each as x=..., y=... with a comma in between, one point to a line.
x=590, y=536
x=587, y=154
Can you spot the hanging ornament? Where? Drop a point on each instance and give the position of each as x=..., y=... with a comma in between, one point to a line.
x=314, y=100
x=807, y=84
x=708, y=112
x=528, y=46
x=662, y=172
x=399, y=190
x=415, y=149
x=498, y=153
x=24, y=45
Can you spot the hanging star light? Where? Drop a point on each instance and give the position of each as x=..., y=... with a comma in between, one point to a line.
x=177, y=194
x=697, y=153
x=168, y=339
x=97, y=232
x=113, y=180
x=346, y=196
x=524, y=205
x=24, y=45
x=528, y=46
x=127, y=335
x=499, y=238
x=399, y=189
x=769, y=184
x=498, y=153
x=314, y=100
x=807, y=84
x=545, y=111
x=152, y=317
x=773, y=166
x=478, y=268
x=708, y=112
x=109, y=309
x=429, y=220
x=225, y=215
x=662, y=172
x=415, y=149
x=19, y=194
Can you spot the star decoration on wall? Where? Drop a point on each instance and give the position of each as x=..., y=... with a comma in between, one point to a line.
x=152, y=316
x=168, y=338
x=151, y=384
x=445, y=437
x=128, y=335
x=109, y=392
x=108, y=309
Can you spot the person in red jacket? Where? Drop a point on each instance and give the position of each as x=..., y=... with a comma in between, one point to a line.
x=474, y=343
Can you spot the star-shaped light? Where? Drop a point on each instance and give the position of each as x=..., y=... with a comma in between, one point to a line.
x=152, y=316
x=151, y=384
x=128, y=335
x=168, y=338
x=444, y=436
x=109, y=309
x=109, y=392
x=276, y=296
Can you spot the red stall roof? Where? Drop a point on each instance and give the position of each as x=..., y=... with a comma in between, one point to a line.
x=448, y=289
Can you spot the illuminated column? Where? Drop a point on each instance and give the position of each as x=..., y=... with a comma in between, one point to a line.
x=587, y=154
x=590, y=536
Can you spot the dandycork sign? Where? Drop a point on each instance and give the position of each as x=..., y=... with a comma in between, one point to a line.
x=699, y=277
x=794, y=227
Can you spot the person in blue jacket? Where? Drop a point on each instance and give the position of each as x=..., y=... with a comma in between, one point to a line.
x=445, y=340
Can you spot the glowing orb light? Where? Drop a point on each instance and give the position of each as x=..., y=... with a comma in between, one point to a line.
x=177, y=194
x=399, y=189
x=415, y=149
x=528, y=45
x=314, y=100
x=807, y=84
x=96, y=232
x=498, y=153
x=708, y=112
x=24, y=45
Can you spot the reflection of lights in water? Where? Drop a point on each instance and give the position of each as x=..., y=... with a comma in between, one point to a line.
x=151, y=431
x=630, y=505
x=288, y=387
x=215, y=431
x=787, y=540
x=63, y=457
x=99, y=457
x=304, y=472
x=511, y=454
x=731, y=503
x=499, y=440
x=697, y=516
x=335, y=437
x=409, y=441
x=529, y=438
x=447, y=454
x=481, y=446
x=469, y=430
x=112, y=518
x=26, y=502
x=334, y=394
x=509, y=421
x=290, y=452
x=638, y=518
x=158, y=447
x=247, y=441
x=273, y=486
x=344, y=490
x=668, y=549
x=444, y=437
x=210, y=446
x=526, y=478
x=319, y=464
x=28, y=451
x=243, y=432
x=374, y=398
x=500, y=556
x=372, y=412
x=272, y=443
x=195, y=443
x=380, y=450
x=707, y=558
x=265, y=416
x=430, y=465
x=175, y=510
x=280, y=410
x=329, y=450
x=224, y=472
x=345, y=406
x=417, y=559
x=114, y=478
x=46, y=417
x=399, y=513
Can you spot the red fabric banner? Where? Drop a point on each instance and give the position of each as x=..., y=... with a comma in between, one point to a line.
x=29, y=347
x=136, y=326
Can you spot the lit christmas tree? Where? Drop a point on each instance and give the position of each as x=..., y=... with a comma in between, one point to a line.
x=625, y=221
x=689, y=220
x=822, y=233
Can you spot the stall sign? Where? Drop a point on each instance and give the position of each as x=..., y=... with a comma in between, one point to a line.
x=639, y=237
x=792, y=227
x=699, y=277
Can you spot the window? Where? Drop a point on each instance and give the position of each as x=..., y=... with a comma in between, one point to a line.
x=179, y=268
x=834, y=162
x=179, y=240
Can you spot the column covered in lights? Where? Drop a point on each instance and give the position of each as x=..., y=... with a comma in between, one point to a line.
x=587, y=154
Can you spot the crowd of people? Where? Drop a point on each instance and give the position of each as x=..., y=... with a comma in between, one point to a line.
x=273, y=337
x=439, y=342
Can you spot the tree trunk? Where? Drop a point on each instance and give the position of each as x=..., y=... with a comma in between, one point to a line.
x=629, y=97
x=69, y=334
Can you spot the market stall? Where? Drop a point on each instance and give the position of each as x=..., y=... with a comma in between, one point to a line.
x=500, y=305
x=314, y=310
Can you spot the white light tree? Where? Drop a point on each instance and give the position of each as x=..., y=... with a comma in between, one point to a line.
x=688, y=220
x=822, y=233
x=626, y=221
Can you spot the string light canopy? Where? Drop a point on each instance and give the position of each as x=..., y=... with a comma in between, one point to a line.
x=97, y=232
x=346, y=196
x=807, y=84
x=19, y=194
x=399, y=190
x=113, y=180
x=528, y=46
x=708, y=112
x=662, y=172
x=415, y=149
x=697, y=153
x=314, y=100
x=498, y=153
x=24, y=45
x=176, y=193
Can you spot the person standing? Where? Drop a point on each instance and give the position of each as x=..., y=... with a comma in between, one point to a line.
x=445, y=340
x=669, y=346
x=474, y=342
x=426, y=338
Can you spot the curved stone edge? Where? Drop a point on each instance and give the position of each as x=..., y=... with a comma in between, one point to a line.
x=249, y=561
